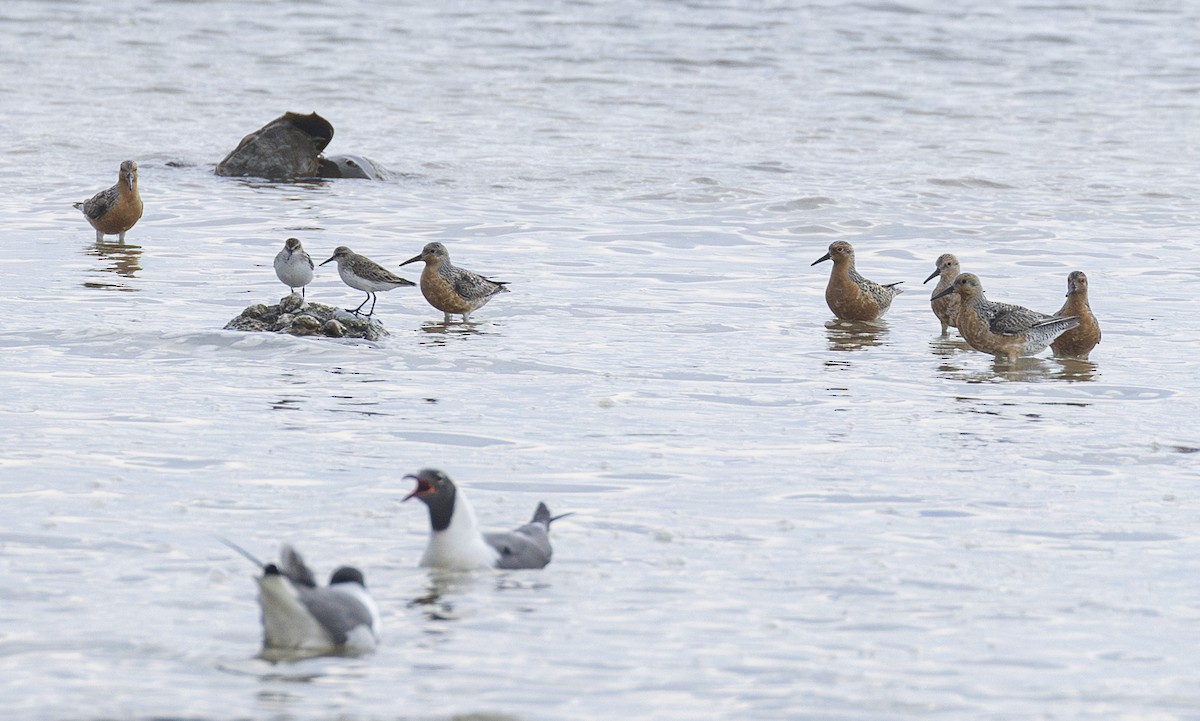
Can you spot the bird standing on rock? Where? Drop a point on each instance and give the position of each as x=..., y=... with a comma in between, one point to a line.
x=359, y=271
x=293, y=266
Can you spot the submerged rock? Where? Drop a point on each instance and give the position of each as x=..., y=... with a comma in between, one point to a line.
x=297, y=317
x=289, y=147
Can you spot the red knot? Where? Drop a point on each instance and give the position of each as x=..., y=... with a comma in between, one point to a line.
x=849, y=295
x=451, y=289
x=117, y=209
x=1077, y=342
x=1002, y=329
x=293, y=266
x=945, y=307
x=359, y=271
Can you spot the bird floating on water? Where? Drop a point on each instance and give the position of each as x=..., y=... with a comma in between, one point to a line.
x=1002, y=329
x=359, y=271
x=294, y=266
x=115, y=210
x=451, y=289
x=1077, y=342
x=945, y=307
x=455, y=541
x=300, y=617
x=849, y=295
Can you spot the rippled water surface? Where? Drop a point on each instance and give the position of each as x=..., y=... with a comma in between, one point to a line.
x=777, y=516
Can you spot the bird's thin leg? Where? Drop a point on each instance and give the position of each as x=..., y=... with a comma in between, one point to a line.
x=360, y=305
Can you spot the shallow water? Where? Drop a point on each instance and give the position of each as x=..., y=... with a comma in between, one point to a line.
x=777, y=515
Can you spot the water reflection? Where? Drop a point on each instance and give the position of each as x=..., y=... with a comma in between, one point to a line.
x=441, y=584
x=120, y=258
x=852, y=335
x=947, y=347
x=1025, y=370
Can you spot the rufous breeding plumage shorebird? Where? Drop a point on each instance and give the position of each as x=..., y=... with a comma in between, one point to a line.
x=294, y=266
x=451, y=289
x=359, y=271
x=849, y=295
x=945, y=307
x=1077, y=342
x=115, y=210
x=455, y=541
x=1002, y=329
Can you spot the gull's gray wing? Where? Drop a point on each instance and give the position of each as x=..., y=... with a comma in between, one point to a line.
x=527, y=546
x=338, y=613
x=291, y=564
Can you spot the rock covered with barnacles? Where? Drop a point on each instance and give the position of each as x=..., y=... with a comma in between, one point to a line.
x=298, y=317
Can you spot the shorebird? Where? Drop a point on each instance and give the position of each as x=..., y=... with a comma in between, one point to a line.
x=1077, y=342
x=945, y=307
x=1002, y=329
x=293, y=266
x=359, y=271
x=451, y=289
x=298, y=616
x=117, y=209
x=455, y=541
x=849, y=295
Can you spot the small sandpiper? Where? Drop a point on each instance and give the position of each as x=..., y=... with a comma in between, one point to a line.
x=117, y=209
x=359, y=271
x=293, y=266
x=1077, y=342
x=945, y=307
x=849, y=295
x=1002, y=329
x=451, y=289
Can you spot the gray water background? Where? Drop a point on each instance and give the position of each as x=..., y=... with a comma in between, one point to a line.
x=776, y=517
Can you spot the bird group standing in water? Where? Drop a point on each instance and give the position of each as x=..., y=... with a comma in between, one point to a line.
x=1003, y=330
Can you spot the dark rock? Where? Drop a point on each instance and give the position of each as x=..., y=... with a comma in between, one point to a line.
x=294, y=316
x=289, y=148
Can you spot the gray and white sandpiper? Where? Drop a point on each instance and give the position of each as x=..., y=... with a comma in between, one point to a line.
x=849, y=295
x=301, y=618
x=293, y=266
x=115, y=210
x=359, y=271
x=945, y=307
x=455, y=541
x=1002, y=329
x=451, y=289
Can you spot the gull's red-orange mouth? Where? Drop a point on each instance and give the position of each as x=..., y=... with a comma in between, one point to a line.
x=423, y=486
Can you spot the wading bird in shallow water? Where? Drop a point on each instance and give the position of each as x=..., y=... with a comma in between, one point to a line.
x=293, y=266
x=117, y=209
x=1002, y=329
x=849, y=295
x=300, y=617
x=451, y=289
x=1077, y=342
x=455, y=541
x=945, y=307
x=359, y=271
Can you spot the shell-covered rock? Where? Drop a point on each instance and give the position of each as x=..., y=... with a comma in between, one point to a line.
x=297, y=317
